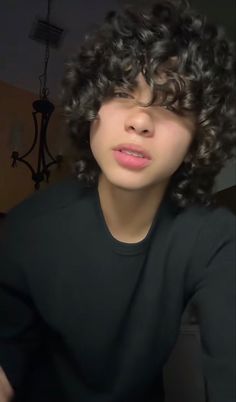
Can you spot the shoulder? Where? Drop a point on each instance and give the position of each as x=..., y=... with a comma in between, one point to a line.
x=43, y=217
x=199, y=232
x=47, y=201
x=214, y=243
x=210, y=219
x=217, y=232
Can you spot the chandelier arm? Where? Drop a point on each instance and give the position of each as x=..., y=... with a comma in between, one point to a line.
x=41, y=158
x=48, y=152
x=45, y=121
x=51, y=163
x=45, y=141
x=20, y=159
x=44, y=128
x=35, y=136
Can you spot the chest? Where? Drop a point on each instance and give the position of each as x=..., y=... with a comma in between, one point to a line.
x=83, y=293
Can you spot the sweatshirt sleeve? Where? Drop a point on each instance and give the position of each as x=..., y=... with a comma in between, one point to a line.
x=215, y=302
x=19, y=323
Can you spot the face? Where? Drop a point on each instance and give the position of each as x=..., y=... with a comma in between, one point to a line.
x=138, y=146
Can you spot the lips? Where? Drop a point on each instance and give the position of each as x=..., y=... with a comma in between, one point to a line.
x=136, y=149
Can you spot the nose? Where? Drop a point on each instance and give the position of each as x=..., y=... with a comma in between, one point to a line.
x=140, y=122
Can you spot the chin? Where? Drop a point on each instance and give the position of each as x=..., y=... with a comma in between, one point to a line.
x=130, y=182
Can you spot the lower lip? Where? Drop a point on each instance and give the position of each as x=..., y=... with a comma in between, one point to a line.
x=130, y=161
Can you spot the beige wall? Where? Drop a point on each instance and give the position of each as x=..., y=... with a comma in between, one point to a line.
x=16, y=110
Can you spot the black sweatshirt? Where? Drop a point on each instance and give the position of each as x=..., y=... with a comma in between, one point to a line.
x=84, y=317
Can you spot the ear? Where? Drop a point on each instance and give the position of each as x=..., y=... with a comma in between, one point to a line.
x=189, y=155
x=187, y=158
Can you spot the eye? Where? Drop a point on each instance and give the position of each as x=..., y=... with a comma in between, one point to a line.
x=170, y=108
x=122, y=94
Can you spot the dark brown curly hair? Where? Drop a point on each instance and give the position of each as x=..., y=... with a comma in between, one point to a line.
x=200, y=69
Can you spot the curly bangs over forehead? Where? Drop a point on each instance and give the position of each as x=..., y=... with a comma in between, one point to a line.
x=190, y=67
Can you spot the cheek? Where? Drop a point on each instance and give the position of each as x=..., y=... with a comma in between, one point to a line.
x=94, y=127
x=101, y=124
x=98, y=138
x=93, y=136
x=177, y=138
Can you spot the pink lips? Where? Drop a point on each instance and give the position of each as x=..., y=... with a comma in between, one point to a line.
x=139, y=161
x=134, y=148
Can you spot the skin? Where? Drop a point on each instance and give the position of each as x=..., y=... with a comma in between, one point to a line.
x=6, y=391
x=130, y=198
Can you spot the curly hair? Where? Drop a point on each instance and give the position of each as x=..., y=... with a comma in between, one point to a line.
x=199, y=66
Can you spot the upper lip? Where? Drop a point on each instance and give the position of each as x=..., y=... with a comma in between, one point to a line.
x=133, y=148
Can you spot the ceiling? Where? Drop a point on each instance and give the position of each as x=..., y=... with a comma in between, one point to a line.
x=21, y=58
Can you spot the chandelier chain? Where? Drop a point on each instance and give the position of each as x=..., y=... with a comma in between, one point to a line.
x=44, y=90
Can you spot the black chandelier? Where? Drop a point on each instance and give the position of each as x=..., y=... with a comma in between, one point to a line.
x=43, y=110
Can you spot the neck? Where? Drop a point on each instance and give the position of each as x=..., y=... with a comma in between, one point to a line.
x=129, y=213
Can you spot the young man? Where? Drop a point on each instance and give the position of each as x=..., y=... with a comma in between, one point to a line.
x=97, y=271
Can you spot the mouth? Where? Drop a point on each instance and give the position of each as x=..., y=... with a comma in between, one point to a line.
x=133, y=150
x=132, y=157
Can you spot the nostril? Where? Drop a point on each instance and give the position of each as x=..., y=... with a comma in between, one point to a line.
x=140, y=126
x=131, y=128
